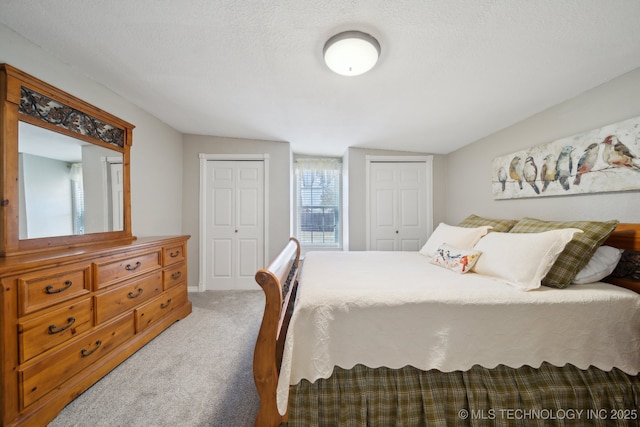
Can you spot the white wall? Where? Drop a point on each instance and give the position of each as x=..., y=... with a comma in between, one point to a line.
x=47, y=197
x=280, y=158
x=156, y=154
x=468, y=183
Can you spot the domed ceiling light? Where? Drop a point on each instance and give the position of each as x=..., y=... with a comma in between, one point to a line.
x=351, y=53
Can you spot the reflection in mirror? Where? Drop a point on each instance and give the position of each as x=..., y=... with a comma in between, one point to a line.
x=67, y=186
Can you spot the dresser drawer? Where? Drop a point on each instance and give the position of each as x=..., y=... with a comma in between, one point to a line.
x=113, y=269
x=125, y=297
x=39, y=378
x=44, y=289
x=174, y=254
x=175, y=275
x=156, y=309
x=42, y=333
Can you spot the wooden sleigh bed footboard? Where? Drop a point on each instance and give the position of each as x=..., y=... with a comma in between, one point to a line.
x=279, y=281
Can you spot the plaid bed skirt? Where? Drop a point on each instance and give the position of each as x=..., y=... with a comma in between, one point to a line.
x=503, y=396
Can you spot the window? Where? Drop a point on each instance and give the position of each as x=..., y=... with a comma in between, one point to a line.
x=318, y=201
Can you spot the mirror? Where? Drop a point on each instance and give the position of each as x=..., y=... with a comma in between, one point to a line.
x=66, y=186
x=64, y=174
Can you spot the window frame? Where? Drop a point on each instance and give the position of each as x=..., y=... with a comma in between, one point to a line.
x=305, y=246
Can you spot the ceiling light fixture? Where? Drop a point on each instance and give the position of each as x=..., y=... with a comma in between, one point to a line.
x=351, y=53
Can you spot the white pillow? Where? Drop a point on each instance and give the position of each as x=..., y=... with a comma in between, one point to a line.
x=458, y=260
x=459, y=237
x=601, y=264
x=521, y=259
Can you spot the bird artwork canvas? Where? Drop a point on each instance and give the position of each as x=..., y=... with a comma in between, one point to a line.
x=601, y=160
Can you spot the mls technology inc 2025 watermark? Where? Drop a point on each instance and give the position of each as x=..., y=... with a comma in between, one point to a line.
x=549, y=414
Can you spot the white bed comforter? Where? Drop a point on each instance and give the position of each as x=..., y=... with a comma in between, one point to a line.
x=396, y=308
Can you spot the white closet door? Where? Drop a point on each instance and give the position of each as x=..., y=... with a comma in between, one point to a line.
x=235, y=223
x=117, y=209
x=398, y=208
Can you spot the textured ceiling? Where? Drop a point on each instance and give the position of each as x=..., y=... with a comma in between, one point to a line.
x=450, y=71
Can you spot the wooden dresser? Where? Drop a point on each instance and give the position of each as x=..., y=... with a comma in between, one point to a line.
x=71, y=316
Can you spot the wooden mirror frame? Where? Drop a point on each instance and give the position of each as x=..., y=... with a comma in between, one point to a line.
x=12, y=82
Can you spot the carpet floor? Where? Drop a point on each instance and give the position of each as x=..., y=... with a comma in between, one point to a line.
x=198, y=372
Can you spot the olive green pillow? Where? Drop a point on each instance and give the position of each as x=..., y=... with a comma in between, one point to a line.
x=578, y=251
x=501, y=225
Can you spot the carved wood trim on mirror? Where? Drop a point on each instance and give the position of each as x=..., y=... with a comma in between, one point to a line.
x=99, y=209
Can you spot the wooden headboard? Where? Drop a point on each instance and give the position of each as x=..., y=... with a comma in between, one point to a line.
x=627, y=237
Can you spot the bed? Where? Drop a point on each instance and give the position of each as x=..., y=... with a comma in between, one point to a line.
x=334, y=347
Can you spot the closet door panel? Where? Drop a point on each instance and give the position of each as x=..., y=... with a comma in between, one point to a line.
x=397, y=205
x=383, y=211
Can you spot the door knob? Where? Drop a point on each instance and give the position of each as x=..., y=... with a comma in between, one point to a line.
x=236, y=231
x=396, y=231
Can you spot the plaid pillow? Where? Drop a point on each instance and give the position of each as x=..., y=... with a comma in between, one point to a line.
x=578, y=251
x=501, y=225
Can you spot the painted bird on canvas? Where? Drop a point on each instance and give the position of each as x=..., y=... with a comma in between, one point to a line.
x=502, y=177
x=586, y=162
x=515, y=170
x=548, y=171
x=530, y=172
x=617, y=154
x=564, y=166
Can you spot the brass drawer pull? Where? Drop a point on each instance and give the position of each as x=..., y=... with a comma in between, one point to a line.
x=54, y=330
x=176, y=275
x=165, y=305
x=136, y=295
x=130, y=267
x=86, y=353
x=174, y=254
x=49, y=288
